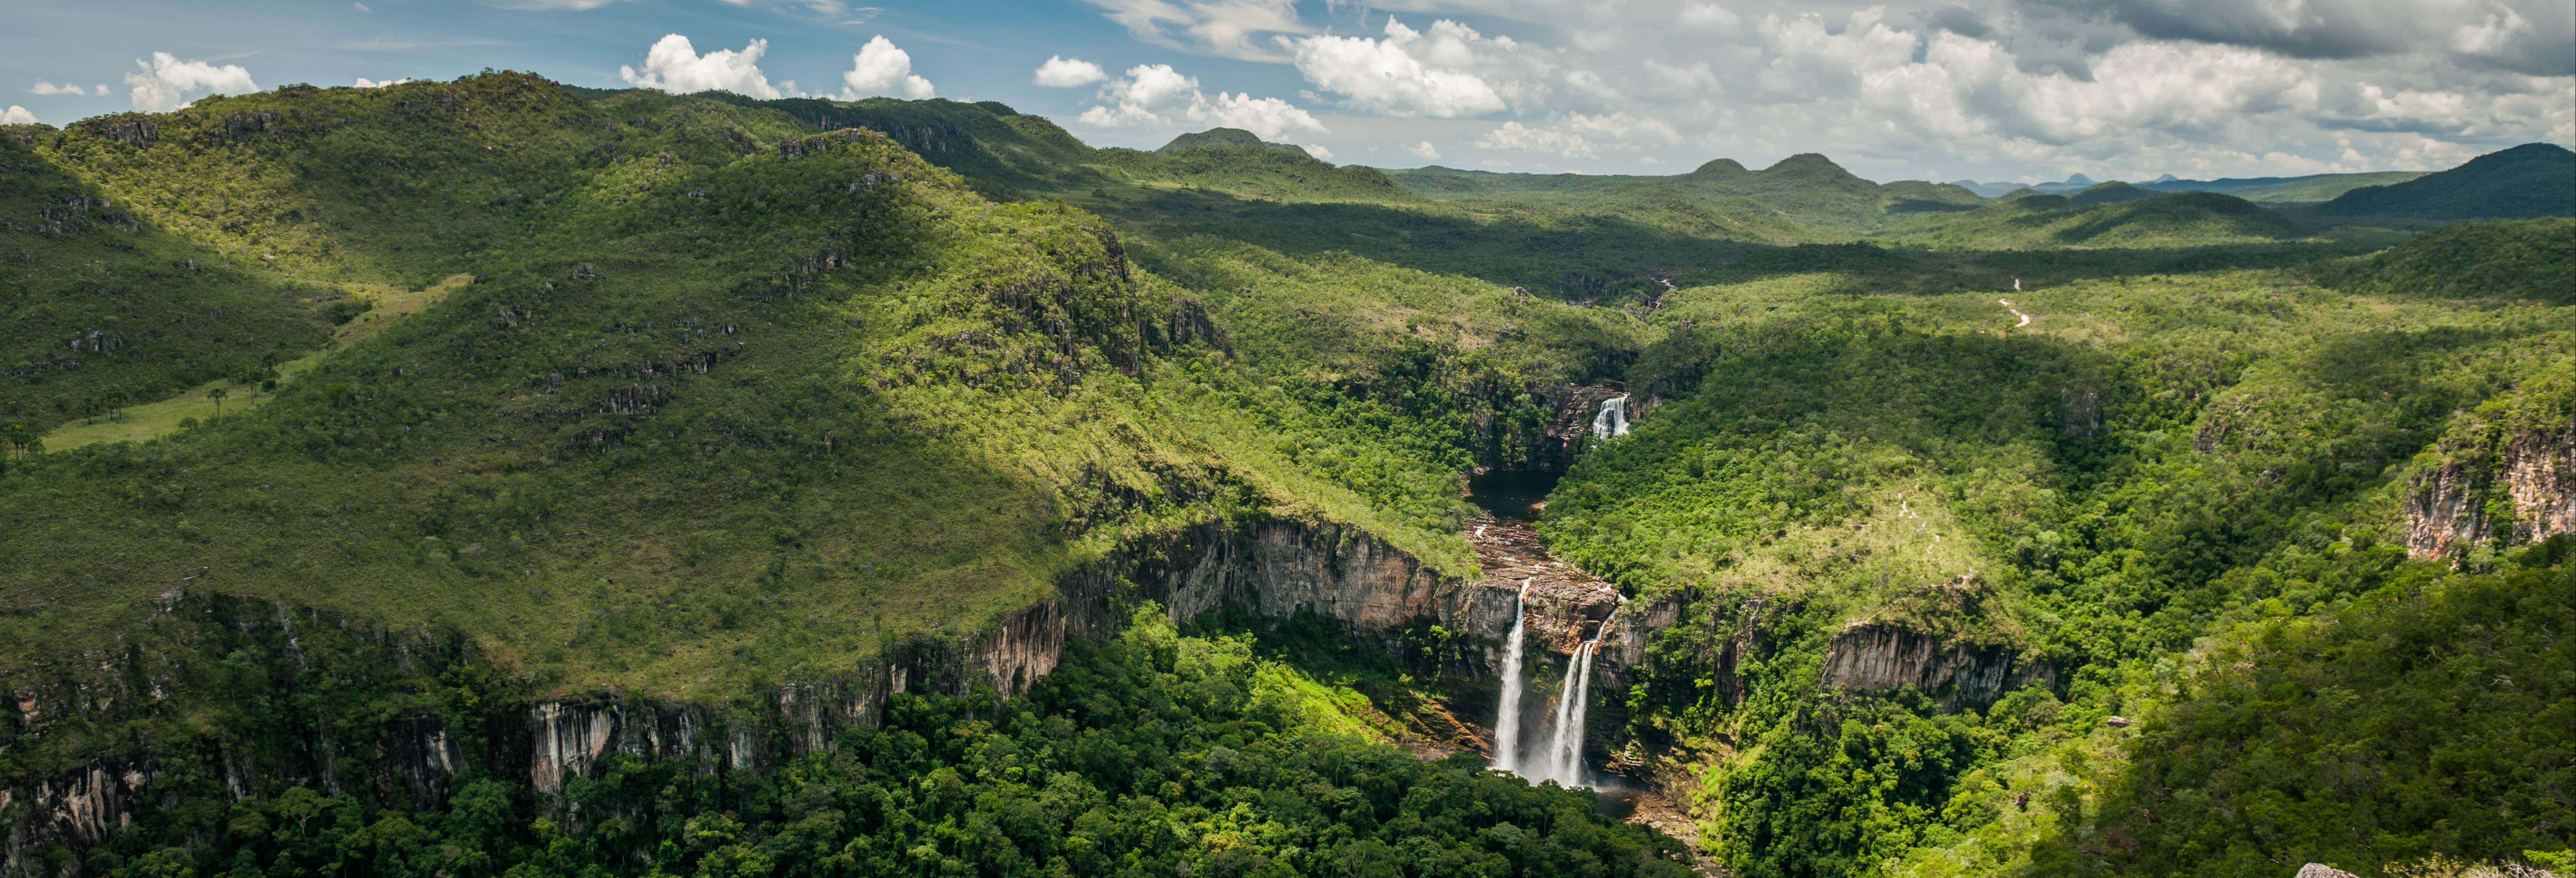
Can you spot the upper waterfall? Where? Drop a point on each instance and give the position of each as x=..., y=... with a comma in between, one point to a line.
x=1612, y=419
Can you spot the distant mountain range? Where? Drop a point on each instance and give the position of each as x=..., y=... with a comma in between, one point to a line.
x=1806, y=189
x=2273, y=190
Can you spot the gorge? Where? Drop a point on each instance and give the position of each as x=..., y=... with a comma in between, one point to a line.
x=646, y=485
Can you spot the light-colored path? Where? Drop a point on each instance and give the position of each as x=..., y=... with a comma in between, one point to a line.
x=156, y=419
x=2008, y=306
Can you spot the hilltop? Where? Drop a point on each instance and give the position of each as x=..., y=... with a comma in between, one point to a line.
x=1806, y=189
x=646, y=484
x=2108, y=215
x=1221, y=138
x=2531, y=180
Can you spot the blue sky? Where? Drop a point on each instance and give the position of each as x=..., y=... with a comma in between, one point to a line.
x=1940, y=89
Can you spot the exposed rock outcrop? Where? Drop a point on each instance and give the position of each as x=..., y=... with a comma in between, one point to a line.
x=1875, y=657
x=2464, y=502
x=1572, y=426
x=1566, y=606
x=1274, y=567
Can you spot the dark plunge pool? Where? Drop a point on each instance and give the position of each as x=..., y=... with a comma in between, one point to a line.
x=1511, y=494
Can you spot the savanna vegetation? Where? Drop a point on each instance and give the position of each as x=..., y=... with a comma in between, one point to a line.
x=718, y=394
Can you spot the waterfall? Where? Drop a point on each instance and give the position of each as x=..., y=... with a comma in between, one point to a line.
x=1507, y=725
x=1612, y=420
x=1563, y=761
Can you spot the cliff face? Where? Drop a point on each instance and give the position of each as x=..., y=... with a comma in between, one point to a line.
x=1878, y=657
x=2464, y=503
x=81, y=750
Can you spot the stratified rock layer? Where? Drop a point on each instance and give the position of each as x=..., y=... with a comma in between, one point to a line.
x=2452, y=507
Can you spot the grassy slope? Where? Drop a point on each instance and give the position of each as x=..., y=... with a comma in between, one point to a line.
x=1804, y=190
x=102, y=308
x=2150, y=456
x=786, y=438
x=383, y=307
x=2325, y=188
x=2531, y=180
x=2145, y=221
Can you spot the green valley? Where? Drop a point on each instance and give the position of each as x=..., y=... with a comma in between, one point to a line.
x=499, y=479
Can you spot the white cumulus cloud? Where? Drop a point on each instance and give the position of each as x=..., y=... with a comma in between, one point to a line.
x=1410, y=73
x=674, y=65
x=1061, y=72
x=1578, y=136
x=882, y=69
x=1218, y=27
x=1317, y=150
x=46, y=88
x=1424, y=150
x=17, y=115
x=364, y=82
x=164, y=82
x=1157, y=95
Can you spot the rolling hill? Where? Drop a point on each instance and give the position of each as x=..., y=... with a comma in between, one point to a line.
x=2268, y=190
x=2109, y=215
x=1807, y=189
x=2531, y=180
x=1220, y=138
x=660, y=485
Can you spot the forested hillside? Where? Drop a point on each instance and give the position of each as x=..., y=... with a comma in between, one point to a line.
x=494, y=478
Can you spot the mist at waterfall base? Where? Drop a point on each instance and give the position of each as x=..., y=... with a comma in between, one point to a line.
x=1559, y=757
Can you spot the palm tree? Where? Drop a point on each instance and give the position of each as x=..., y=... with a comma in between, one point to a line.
x=24, y=439
x=217, y=395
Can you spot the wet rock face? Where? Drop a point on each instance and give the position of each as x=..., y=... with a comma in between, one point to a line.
x=1873, y=657
x=2523, y=491
x=1565, y=606
x=1573, y=425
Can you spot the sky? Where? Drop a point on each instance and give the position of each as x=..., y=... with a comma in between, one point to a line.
x=1989, y=90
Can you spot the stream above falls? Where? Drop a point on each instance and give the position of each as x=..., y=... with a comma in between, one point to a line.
x=1561, y=611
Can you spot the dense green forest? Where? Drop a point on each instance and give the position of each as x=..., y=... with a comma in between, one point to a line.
x=1149, y=753
x=2204, y=537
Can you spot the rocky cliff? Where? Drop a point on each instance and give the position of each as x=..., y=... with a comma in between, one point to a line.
x=2500, y=492
x=96, y=735
x=1874, y=657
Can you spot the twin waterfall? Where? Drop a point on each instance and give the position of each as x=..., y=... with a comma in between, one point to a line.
x=1562, y=759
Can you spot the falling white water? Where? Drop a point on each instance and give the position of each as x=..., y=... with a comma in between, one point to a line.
x=1612, y=420
x=1507, y=724
x=1563, y=761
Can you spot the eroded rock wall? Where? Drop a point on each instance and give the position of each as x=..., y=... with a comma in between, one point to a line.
x=2529, y=478
x=1877, y=657
x=95, y=713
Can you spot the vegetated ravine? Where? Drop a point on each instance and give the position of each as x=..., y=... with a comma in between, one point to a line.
x=805, y=488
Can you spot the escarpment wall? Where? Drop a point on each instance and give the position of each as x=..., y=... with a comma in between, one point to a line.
x=1875, y=658
x=2453, y=507
x=93, y=737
